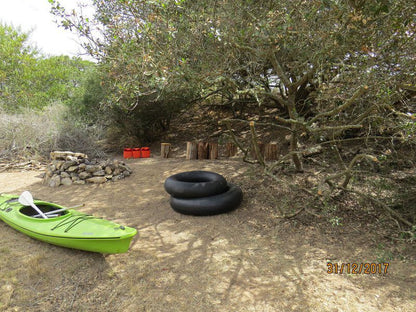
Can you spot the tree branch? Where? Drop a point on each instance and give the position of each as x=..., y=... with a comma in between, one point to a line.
x=255, y=144
x=342, y=107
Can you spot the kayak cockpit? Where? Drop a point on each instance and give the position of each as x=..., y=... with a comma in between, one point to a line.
x=52, y=211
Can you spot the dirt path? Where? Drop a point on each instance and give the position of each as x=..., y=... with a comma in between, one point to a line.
x=232, y=262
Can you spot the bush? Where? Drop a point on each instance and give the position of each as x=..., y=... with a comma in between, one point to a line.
x=36, y=133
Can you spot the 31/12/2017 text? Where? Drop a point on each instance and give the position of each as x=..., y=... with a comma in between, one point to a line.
x=357, y=268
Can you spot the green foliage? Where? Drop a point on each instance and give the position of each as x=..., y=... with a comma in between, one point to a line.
x=321, y=64
x=87, y=98
x=46, y=102
x=30, y=80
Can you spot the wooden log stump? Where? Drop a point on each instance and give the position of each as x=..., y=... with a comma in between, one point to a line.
x=230, y=149
x=271, y=152
x=203, y=152
x=191, y=150
x=213, y=150
x=165, y=150
x=260, y=147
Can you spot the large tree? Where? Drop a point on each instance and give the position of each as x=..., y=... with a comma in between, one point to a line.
x=327, y=66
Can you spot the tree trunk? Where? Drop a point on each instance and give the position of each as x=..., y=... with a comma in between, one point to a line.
x=191, y=150
x=296, y=158
x=256, y=148
x=165, y=150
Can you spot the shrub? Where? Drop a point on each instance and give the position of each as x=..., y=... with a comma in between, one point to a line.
x=34, y=133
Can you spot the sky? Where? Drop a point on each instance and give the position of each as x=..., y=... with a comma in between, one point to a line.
x=34, y=16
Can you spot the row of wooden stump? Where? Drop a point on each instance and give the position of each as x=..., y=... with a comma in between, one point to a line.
x=209, y=150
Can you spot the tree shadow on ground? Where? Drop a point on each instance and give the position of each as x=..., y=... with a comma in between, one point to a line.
x=183, y=263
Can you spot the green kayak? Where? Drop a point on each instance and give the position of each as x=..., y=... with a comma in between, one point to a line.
x=65, y=227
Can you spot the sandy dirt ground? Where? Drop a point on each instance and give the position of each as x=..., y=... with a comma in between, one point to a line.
x=240, y=261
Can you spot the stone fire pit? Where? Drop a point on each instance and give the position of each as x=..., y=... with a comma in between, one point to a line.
x=68, y=168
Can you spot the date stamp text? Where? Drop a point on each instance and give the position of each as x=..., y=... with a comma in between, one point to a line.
x=357, y=268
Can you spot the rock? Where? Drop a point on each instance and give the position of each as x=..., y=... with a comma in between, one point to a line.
x=68, y=168
x=49, y=173
x=108, y=170
x=99, y=173
x=58, y=164
x=97, y=180
x=104, y=163
x=84, y=175
x=126, y=173
x=124, y=167
x=117, y=171
x=92, y=168
x=72, y=169
x=66, y=154
x=68, y=164
x=66, y=181
x=117, y=177
x=55, y=181
x=79, y=182
x=64, y=175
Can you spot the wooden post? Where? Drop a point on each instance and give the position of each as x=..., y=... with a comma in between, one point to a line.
x=191, y=150
x=271, y=151
x=213, y=150
x=260, y=148
x=165, y=150
x=230, y=149
x=203, y=150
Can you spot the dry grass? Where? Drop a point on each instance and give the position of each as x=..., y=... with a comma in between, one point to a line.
x=36, y=133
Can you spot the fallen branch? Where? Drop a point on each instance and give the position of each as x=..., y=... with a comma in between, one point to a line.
x=390, y=211
x=347, y=172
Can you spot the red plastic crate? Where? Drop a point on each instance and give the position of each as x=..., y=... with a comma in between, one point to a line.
x=137, y=152
x=128, y=153
x=145, y=152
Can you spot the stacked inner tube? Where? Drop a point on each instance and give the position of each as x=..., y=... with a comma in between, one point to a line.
x=202, y=193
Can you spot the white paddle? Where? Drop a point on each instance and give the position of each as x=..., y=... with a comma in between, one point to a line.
x=26, y=199
x=58, y=210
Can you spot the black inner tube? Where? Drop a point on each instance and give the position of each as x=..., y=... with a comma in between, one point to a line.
x=195, y=184
x=210, y=205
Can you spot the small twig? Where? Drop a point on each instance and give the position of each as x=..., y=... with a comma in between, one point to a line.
x=288, y=216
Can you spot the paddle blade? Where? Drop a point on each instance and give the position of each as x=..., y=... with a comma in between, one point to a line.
x=26, y=199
